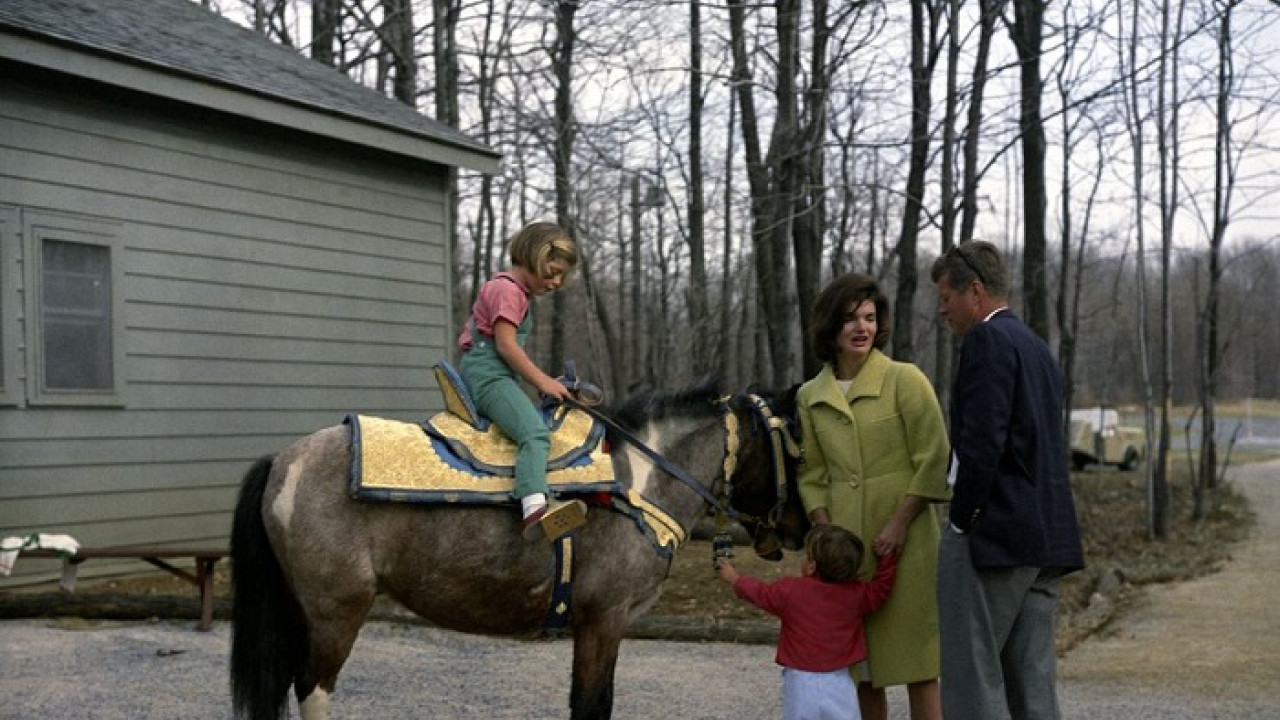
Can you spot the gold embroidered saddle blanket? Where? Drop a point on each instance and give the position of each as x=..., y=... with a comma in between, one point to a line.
x=447, y=460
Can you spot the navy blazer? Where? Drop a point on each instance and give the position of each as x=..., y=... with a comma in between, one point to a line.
x=1013, y=491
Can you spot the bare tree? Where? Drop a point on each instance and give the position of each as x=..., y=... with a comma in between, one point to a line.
x=1157, y=490
x=696, y=294
x=566, y=38
x=770, y=214
x=1223, y=184
x=325, y=18
x=810, y=226
x=399, y=60
x=1026, y=31
x=924, y=54
x=445, y=55
x=1167, y=148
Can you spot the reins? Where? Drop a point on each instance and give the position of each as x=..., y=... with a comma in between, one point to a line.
x=666, y=465
x=782, y=444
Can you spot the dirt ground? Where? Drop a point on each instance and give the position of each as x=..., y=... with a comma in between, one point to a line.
x=1188, y=633
x=1216, y=636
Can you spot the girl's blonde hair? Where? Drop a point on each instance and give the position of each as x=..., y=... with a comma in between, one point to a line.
x=539, y=244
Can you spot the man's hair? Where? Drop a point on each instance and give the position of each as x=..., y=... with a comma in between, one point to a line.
x=836, y=552
x=842, y=294
x=974, y=260
x=539, y=244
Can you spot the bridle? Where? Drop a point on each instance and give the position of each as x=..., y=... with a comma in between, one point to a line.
x=782, y=443
x=719, y=504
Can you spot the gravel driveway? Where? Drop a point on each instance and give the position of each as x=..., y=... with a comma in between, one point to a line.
x=1207, y=648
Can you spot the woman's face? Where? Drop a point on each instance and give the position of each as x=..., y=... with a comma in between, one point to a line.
x=858, y=334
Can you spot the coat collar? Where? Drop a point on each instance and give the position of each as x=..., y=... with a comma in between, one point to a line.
x=867, y=383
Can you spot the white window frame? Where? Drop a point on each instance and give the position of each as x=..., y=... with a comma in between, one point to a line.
x=39, y=227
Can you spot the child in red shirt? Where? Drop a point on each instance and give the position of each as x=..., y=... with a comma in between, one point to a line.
x=821, y=612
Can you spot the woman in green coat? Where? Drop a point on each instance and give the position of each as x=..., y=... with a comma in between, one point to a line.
x=875, y=461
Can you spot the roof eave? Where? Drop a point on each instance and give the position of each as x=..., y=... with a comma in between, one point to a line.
x=202, y=92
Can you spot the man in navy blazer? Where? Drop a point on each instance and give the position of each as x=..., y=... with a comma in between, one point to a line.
x=1013, y=531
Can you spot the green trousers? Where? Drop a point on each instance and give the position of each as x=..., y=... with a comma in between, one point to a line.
x=498, y=396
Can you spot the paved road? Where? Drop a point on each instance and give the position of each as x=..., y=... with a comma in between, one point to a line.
x=1204, y=649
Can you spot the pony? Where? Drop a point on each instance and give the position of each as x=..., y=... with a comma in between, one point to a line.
x=308, y=560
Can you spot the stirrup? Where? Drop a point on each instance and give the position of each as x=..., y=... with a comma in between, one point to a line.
x=555, y=520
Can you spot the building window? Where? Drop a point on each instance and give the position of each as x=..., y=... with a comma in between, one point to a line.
x=75, y=349
x=75, y=307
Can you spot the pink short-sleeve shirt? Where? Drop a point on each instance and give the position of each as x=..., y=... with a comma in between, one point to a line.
x=504, y=297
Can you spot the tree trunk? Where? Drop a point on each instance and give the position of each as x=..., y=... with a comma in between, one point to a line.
x=562, y=68
x=696, y=293
x=399, y=38
x=728, y=348
x=811, y=212
x=1223, y=187
x=770, y=198
x=944, y=343
x=445, y=13
x=923, y=44
x=1157, y=491
x=325, y=17
x=1027, y=29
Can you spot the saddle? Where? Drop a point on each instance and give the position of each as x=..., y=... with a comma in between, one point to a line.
x=459, y=457
x=476, y=441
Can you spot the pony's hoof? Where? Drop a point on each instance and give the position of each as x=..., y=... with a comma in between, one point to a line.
x=549, y=523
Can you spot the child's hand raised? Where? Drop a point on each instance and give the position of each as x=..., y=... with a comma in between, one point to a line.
x=726, y=570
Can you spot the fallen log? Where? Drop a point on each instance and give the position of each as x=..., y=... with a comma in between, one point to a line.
x=123, y=606
x=107, y=606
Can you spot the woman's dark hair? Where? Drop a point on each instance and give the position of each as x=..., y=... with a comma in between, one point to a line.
x=831, y=308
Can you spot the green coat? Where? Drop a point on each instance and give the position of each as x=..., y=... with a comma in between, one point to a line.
x=863, y=452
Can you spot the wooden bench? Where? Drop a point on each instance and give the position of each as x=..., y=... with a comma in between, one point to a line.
x=205, y=558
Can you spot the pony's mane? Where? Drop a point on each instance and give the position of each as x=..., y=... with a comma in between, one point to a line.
x=698, y=399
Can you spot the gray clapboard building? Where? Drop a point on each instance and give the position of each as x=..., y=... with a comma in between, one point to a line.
x=210, y=245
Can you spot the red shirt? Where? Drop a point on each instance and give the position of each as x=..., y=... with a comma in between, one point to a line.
x=821, y=621
x=502, y=297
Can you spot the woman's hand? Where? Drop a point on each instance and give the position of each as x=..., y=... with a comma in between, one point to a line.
x=891, y=539
x=894, y=534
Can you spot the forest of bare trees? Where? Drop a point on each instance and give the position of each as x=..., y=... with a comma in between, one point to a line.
x=720, y=161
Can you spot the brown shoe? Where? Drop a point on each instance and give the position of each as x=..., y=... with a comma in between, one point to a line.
x=550, y=522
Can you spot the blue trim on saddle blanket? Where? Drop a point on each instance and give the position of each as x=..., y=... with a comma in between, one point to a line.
x=411, y=466
x=463, y=444
x=398, y=461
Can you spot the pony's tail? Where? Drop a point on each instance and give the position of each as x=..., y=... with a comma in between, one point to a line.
x=269, y=638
